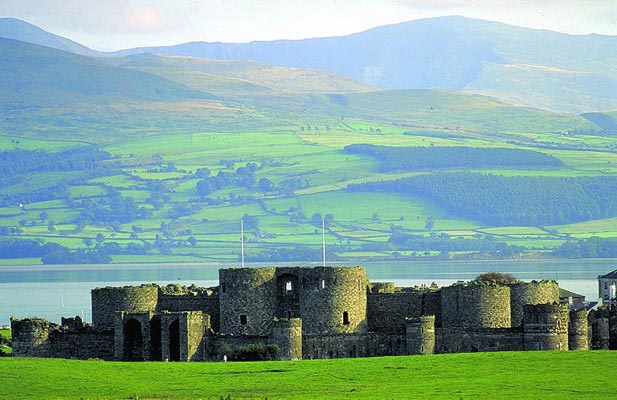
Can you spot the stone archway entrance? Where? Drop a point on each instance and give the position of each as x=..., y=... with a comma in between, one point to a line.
x=133, y=341
x=174, y=341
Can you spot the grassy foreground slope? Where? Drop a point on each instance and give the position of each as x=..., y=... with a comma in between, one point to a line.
x=516, y=375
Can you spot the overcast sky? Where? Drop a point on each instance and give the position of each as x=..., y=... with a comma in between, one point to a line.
x=119, y=24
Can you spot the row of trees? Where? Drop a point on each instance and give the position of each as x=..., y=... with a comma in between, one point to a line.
x=588, y=248
x=444, y=243
x=422, y=158
x=110, y=210
x=16, y=162
x=499, y=200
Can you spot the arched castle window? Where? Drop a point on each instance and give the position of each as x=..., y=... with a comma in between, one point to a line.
x=243, y=319
x=345, y=318
x=323, y=283
x=288, y=287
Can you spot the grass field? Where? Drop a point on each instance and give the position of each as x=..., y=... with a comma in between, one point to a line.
x=507, y=375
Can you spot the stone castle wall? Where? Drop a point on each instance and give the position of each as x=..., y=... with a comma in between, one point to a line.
x=176, y=298
x=349, y=345
x=485, y=340
x=33, y=337
x=387, y=311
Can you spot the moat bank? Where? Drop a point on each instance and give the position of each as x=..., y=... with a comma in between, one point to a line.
x=51, y=292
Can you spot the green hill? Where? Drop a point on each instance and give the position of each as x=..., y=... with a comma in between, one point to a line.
x=34, y=76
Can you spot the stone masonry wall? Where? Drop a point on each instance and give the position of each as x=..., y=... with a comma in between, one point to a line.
x=178, y=298
x=353, y=345
x=386, y=312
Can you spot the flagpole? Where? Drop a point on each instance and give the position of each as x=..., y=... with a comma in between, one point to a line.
x=242, y=239
x=323, y=240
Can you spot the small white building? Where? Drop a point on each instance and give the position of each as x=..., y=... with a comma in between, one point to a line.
x=607, y=286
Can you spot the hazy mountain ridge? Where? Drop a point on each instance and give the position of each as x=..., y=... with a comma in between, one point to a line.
x=529, y=67
x=16, y=29
x=570, y=73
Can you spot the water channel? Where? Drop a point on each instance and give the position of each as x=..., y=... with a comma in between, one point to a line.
x=54, y=291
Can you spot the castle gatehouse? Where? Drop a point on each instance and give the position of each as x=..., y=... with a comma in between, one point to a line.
x=305, y=313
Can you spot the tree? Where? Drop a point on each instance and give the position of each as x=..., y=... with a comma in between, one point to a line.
x=202, y=173
x=499, y=277
x=87, y=241
x=192, y=241
x=251, y=222
x=328, y=219
x=375, y=217
x=265, y=185
x=316, y=219
x=205, y=187
x=43, y=216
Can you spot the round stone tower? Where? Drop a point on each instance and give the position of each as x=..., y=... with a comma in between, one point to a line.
x=578, y=338
x=333, y=300
x=534, y=292
x=420, y=335
x=131, y=299
x=247, y=300
x=545, y=326
x=31, y=337
x=287, y=334
x=475, y=305
x=600, y=332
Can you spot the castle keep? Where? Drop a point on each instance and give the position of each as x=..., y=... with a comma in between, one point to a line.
x=323, y=312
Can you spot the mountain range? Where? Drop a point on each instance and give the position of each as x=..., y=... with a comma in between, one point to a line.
x=528, y=67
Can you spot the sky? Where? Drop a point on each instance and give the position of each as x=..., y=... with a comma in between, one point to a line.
x=118, y=24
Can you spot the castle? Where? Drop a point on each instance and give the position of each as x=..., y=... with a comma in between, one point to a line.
x=322, y=312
